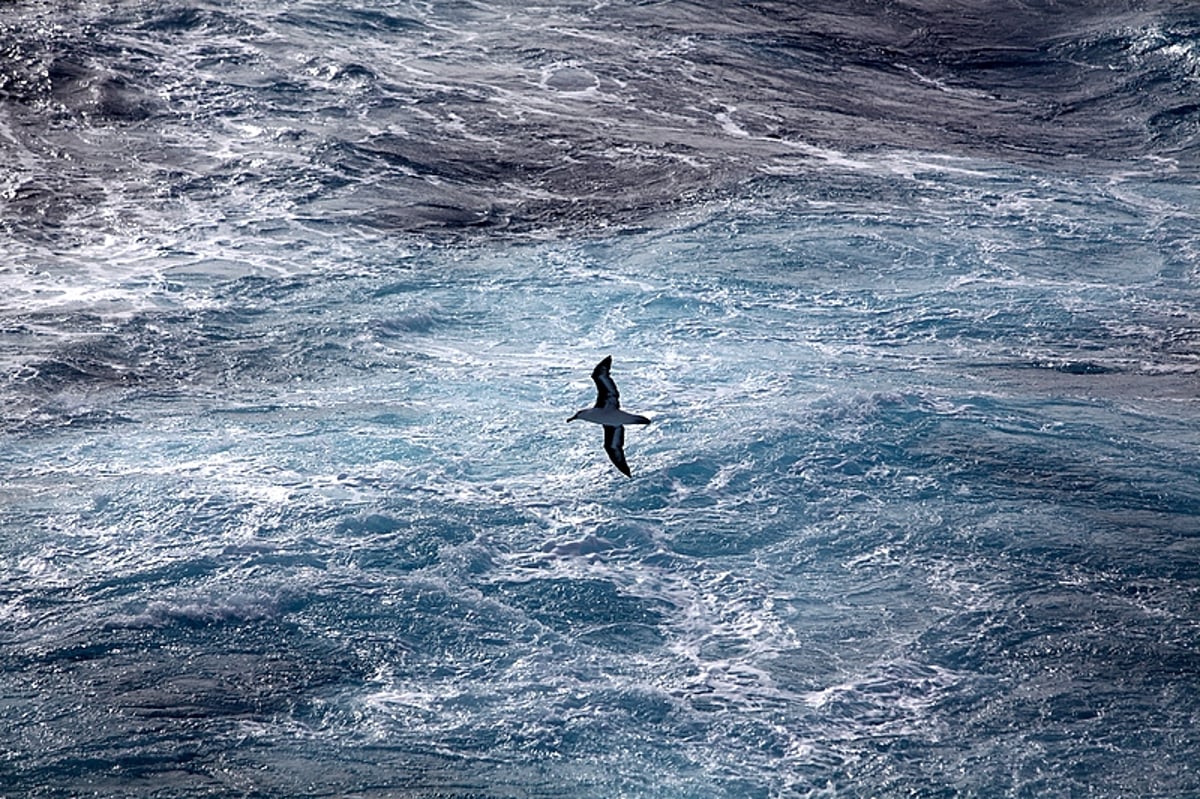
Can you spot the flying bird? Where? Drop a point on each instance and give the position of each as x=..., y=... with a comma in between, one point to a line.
x=607, y=412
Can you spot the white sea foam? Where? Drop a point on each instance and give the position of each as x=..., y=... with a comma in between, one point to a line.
x=292, y=322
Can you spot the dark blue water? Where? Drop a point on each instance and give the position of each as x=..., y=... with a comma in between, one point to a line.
x=295, y=301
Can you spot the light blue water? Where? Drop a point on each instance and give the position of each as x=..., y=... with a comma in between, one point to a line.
x=918, y=513
x=288, y=501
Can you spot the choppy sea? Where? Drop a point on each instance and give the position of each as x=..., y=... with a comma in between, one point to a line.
x=296, y=299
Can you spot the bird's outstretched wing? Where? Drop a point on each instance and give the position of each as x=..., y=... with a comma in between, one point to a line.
x=606, y=389
x=614, y=445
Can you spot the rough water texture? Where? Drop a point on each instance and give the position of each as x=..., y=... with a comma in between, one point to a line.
x=295, y=300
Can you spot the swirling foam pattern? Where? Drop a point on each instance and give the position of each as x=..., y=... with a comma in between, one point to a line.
x=296, y=298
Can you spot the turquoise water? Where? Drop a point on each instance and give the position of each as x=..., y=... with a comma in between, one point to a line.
x=289, y=505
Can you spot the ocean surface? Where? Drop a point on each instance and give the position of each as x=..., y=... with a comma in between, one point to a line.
x=296, y=299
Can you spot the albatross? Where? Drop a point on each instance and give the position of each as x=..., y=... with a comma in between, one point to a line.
x=607, y=412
